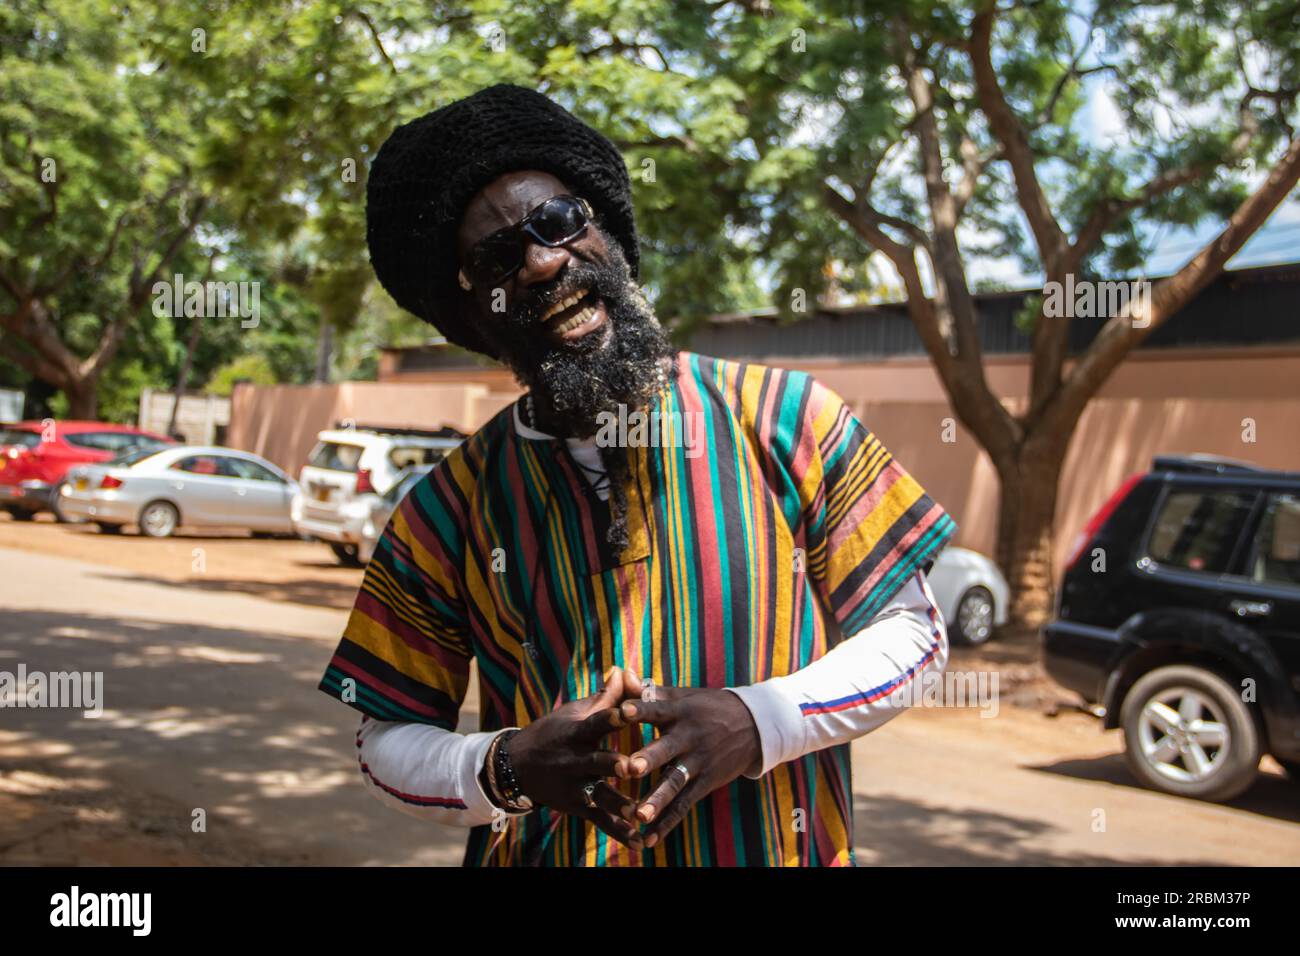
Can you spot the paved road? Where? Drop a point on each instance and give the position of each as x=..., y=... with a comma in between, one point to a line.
x=210, y=703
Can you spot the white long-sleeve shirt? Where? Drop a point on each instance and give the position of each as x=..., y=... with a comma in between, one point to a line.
x=430, y=772
x=860, y=684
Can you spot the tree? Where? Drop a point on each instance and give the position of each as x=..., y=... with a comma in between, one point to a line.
x=97, y=197
x=931, y=131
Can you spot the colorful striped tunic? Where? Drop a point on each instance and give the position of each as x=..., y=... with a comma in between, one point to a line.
x=785, y=527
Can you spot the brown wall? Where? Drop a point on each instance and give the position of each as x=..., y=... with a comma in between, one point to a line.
x=1156, y=403
x=280, y=422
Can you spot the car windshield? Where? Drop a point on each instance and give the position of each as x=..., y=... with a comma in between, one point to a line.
x=137, y=455
x=335, y=456
x=19, y=437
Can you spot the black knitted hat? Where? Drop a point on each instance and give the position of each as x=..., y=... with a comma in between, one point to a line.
x=428, y=169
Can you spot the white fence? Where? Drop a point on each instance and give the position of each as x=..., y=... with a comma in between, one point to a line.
x=202, y=419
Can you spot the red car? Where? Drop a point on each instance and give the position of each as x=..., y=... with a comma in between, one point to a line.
x=35, y=457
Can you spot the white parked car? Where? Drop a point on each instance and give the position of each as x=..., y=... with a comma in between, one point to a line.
x=385, y=505
x=972, y=593
x=349, y=471
x=162, y=488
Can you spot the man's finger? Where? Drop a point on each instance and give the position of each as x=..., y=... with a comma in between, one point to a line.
x=610, y=694
x=600, y=723
x=621, y=830
x=614, y=803
x=674, y=813
x=604, y=763
x=658, y=712
x=656, y=754
x=674, y=780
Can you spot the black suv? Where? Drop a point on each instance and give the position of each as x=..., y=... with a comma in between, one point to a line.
x=1179, y=618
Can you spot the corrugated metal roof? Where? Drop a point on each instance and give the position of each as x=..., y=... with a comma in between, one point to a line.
x=1248, y=307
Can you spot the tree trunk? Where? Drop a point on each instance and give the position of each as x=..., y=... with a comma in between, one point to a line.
x=1026, y=519
x=182, y=379
x=324, y=350
x=83, y=398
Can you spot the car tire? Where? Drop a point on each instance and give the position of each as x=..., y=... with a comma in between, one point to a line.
x=106, y=528
x=56, y=509
x=1173, y=757
x=1292, y=768
x=346, y=553
x=22, y=514
x=159, y=519
x=973, y=622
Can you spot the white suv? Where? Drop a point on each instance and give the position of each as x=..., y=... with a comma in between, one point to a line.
x=349, y=471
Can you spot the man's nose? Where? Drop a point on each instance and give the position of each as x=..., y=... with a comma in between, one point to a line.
x=541, y=263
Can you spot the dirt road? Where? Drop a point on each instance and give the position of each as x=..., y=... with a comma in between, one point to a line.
x=210, y=667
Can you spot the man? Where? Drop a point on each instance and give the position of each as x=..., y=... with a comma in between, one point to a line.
x=675, y=639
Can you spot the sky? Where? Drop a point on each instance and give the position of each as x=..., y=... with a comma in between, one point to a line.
x=1277, y=241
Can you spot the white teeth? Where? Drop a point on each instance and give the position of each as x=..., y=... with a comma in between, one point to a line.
x=580, y=319
x=566, y=304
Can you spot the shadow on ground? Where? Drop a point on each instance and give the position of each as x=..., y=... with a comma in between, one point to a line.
x=310, y=591
x=893, y=832
x=213, y=717
x=1271, y=796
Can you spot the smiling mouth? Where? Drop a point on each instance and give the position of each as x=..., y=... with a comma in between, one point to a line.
x=574, y=316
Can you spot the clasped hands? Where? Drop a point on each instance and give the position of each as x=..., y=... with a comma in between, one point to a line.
x=707, y=738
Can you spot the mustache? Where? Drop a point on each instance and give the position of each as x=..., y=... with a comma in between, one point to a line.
x=607, y=281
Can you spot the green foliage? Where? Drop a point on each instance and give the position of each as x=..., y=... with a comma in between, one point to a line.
x=255, y=369
x=733, y=118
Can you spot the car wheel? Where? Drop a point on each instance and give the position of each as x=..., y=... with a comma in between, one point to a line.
x=159, y=519
x=106, y=528
x=1188, y=732
x=21, y=514
x=56, y=508
x=974, y=617
x=1292, y=768
x=346, y=553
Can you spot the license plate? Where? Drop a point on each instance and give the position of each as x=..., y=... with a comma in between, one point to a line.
x=322, y=493
x=82, y=484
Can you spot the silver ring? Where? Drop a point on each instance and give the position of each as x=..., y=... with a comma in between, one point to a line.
x=589, y=795
x=686, y=774
x=648, y=691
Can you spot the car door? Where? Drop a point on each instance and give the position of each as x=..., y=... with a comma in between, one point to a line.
x=1193, y=543
x=1266, y=596
x=202, y=494
x=260, y=499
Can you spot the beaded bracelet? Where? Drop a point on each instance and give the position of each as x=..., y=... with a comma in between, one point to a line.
x=501, y=775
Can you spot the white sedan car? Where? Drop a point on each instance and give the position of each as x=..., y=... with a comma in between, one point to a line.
x=972, y=593
x=161, y=489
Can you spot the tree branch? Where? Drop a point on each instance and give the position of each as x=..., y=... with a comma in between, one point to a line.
x=374, y=36
x=1010, y=132
x=1121, y=333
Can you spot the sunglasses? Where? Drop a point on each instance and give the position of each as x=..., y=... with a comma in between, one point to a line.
x=559, y=220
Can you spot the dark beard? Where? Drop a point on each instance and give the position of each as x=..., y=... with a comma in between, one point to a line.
x=617, y=365
x=573, y=384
